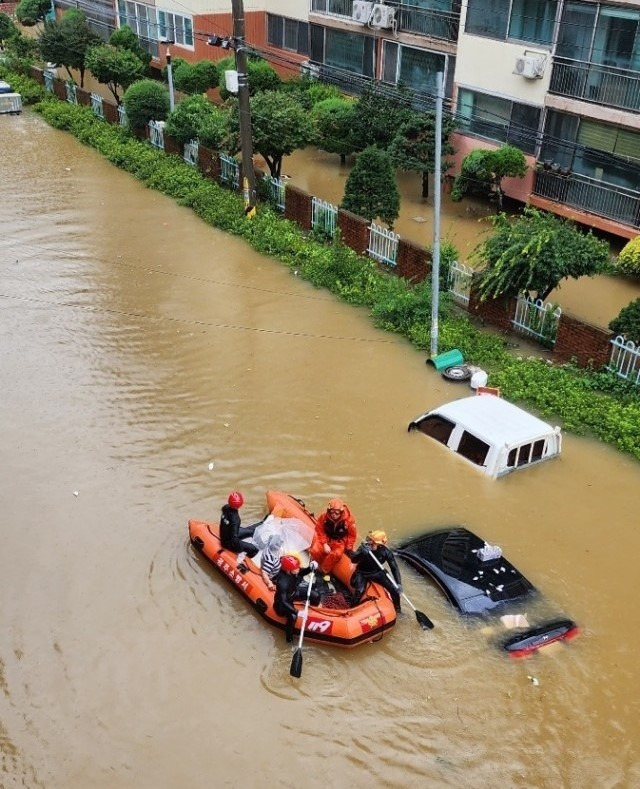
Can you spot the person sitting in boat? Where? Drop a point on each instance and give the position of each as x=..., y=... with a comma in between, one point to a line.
x=369, y=570
x=232, y=534
x=270, y=560
x=335, y=533
x=289, y=588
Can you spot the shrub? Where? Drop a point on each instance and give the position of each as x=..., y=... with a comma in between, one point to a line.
x=146, y=101
x=629, y=258
x=628, y=322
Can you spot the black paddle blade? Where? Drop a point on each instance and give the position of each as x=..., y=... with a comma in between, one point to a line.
x=296, y=664
x=424, y=621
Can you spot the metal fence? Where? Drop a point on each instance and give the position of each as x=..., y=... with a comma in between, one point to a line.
x=333, y=7
x=229, y=170
x=588, y=194
x=96, y=105
x=276, y=191
x=608, y=85
x=537, y=318
x=190, y=152
x=122, y=116
x=383, y=244
x=156, y=134
x=625, y=359
x=460, y=278
x=70, y=90
x=427, y=21
x=48, y=80
x=324, y=217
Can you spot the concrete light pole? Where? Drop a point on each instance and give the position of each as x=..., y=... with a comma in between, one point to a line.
x=246, y=141
x=437, y=176
x=172, y=98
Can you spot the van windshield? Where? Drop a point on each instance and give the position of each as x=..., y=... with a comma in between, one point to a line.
x=437, y=427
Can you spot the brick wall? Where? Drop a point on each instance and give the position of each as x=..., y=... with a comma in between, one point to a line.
x=298, y=206
x=8, y=8
x=586, y=343
x=413, y=261
x=208, y=163
x=354, y=230
x=83, y=97
x=497, y=312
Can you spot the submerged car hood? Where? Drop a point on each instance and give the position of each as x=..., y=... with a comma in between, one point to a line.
x=450, y=556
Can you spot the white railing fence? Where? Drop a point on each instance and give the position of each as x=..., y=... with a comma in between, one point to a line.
x=276, y=191
x=625, y=359
x=70, y=89
x=460, y=278
x=229, y=170
x=383, y=244
x=48, y=80
x=96, y=105
x=537, y=318
x=122, y=116
x=324, y=217
x=156, y=134
x=190, y=152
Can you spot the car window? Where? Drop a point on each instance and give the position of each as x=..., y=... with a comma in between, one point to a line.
x=437, y=427
x=520, y=456
x=473, y=448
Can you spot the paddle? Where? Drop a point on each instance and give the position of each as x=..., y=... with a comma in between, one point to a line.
x=423, y=620
x=296, y=660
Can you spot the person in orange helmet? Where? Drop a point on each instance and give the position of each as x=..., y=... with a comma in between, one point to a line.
x=368, y=559
x=335, y=534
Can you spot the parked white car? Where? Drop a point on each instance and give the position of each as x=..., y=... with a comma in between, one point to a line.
x=492, y=433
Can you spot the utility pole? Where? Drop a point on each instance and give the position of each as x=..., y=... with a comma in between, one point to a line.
x=437, y=178
x=246, y=140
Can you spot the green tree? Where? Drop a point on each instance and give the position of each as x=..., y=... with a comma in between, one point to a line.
x=280, y=126
x=21, y=50
x=629, y=258
x=414, y=146
x=214, y=130
x=144, y=101
x=30, y=12
x=333, y=121
x=261, y=76
x=371, y=190
x=116, y=68
x=534, y=253
x=66, y=41
x=309, y=91
x=193, y=114
x=627, y=322
x=195, y=77
x=378, y=116
x=125, y=38
x=7, y=28
x=482, y=172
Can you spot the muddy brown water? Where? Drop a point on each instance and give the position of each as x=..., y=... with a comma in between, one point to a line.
x=139, y=346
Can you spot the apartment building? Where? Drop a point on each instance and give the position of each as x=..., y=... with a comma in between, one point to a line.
x=560, y=79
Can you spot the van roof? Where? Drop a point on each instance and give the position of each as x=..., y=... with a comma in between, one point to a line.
x=494, y=420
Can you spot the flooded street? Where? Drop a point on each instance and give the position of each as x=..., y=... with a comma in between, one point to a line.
x=138, y=347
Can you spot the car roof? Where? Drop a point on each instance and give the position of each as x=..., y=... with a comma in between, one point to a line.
x=494, y=420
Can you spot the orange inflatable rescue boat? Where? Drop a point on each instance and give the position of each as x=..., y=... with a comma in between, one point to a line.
x=333, y=621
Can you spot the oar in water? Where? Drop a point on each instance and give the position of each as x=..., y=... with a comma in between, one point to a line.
x=423, y=620
x=296, y=660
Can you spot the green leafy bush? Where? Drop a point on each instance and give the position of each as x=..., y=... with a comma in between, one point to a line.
x=627, y=322
x=146, y=101
x=629, y=258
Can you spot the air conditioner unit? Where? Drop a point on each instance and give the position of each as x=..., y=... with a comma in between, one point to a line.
x=383, y=16
x=361, y=11
x=530, y=67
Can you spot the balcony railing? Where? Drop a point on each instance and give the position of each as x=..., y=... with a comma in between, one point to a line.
x=580, y=191
x=608, y=85
x=410, y=19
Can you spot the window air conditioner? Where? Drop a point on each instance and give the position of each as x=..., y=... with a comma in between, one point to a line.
x=361, y=11
x=383, y=16
x=530, y=68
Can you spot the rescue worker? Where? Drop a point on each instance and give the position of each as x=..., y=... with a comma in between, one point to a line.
x=367, y=570
x=289, y=588
x=232, y=534
x=335, y=534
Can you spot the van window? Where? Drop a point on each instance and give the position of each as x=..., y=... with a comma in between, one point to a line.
x=524, y=454
x=538, y=449
x=520, y=456
x=436, y=427
x=473, y=449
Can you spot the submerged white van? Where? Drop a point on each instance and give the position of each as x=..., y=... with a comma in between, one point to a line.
x=493, y=434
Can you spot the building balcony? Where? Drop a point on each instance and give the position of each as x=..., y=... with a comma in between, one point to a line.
x=409, y=19
x=587, y=194
x=604, y=85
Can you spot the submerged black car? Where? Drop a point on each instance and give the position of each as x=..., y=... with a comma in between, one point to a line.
x=479, y=581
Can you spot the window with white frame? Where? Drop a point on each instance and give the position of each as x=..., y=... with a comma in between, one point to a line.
x=499, y=119
x=175, y=27
x=415, y=68
x=519, y=20
x=142, y=20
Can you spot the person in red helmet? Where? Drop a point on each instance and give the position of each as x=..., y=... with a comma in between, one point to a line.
x=289, y=588
x=335, y=533
x=232, y=534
